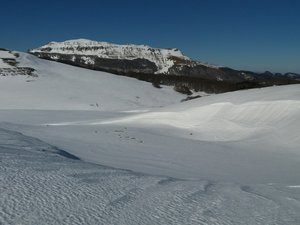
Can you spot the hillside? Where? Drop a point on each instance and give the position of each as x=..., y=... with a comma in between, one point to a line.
x=57, y=86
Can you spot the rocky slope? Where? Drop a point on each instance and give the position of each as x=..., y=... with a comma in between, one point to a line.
x=9, y=65
x=153, y=64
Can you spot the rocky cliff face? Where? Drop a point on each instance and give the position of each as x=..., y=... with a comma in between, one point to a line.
x=157, y=65
x=101, y=54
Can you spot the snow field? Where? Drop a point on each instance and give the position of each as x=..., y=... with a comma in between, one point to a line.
x=231, y=158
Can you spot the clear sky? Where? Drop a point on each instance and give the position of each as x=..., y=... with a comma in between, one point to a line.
x=256, y=35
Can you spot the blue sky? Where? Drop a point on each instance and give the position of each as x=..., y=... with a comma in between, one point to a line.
x=256, y=35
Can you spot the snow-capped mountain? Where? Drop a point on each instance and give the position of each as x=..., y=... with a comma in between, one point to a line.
x=153, y=64
x=162, y=58
x=52, y=85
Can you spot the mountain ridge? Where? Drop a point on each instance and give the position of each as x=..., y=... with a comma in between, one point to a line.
x=157, y=65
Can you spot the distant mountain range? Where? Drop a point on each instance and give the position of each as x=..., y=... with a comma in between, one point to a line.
x=158, y=65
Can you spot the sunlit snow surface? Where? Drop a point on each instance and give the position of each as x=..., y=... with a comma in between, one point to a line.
x=223, y=159
x=39, y=185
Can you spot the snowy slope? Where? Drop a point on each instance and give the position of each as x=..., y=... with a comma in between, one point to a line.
x=60, y=86
x=40, y=186
x=5, y=55
x=232, y=116
x=247, y=136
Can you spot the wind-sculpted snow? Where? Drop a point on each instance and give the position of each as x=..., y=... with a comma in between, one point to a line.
x=247, y=136
x=40, y=186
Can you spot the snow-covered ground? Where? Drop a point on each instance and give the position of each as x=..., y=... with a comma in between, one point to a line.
x=246, y=136
x=5, y=55
x=63, y=87
x=39, y=185
x=223, y=159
